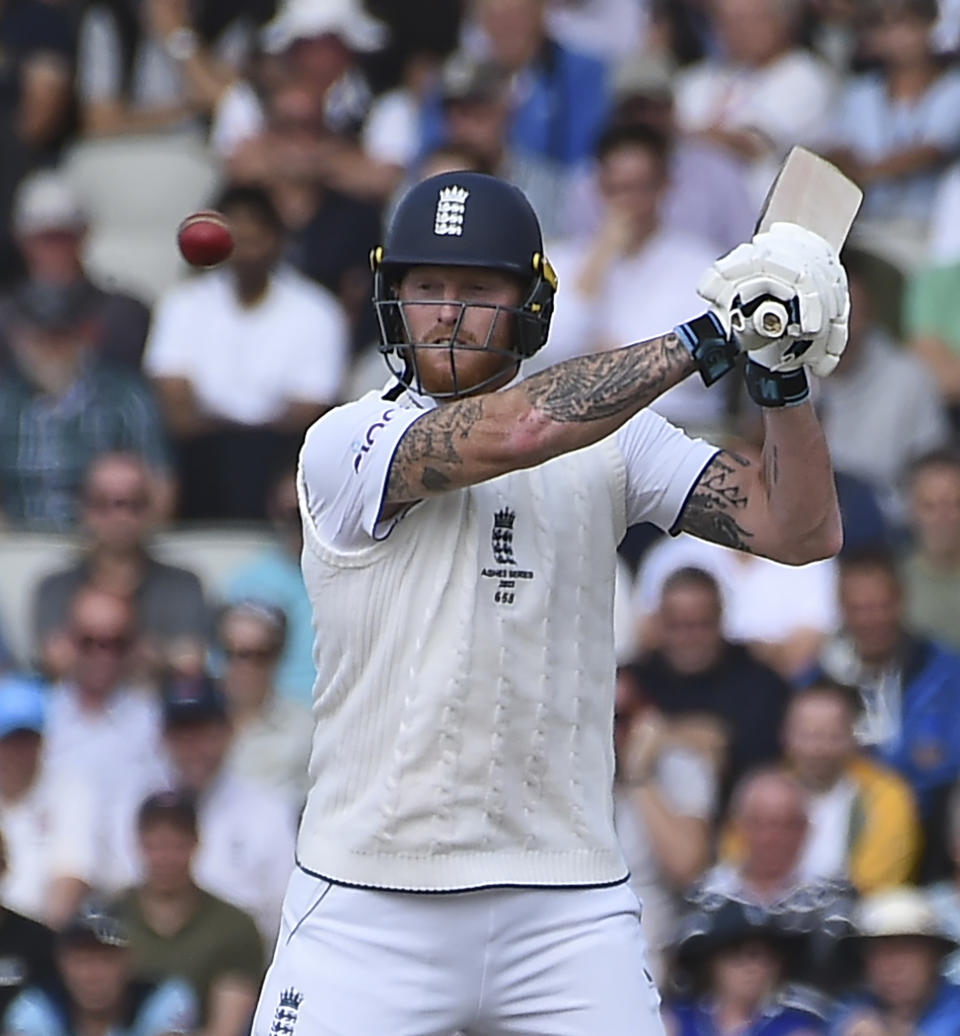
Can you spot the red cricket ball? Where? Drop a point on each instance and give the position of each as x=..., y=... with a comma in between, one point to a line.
x=204, y=238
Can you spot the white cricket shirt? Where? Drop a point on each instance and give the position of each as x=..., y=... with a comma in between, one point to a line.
x=465, y=656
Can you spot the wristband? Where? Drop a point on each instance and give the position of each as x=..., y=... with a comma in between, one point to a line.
x=712, y=349
x=776, y=388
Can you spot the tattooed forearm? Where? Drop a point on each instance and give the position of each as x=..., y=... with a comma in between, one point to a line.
x=603, y=385
x=565, y=407
x=718, y=501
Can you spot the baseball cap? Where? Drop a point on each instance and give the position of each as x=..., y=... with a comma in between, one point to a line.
x=307, y=19
x=463, y=78
x=46, y=201
x=23, y=705
x=192, y=699
x=643, y=77
x=94, y=924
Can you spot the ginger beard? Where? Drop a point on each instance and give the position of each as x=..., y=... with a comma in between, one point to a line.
x=457, y=319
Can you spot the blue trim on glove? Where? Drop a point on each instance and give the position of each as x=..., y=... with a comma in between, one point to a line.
x=712, y=349
x=776, y=388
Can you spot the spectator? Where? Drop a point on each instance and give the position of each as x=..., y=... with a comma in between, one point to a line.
x=882, y=410
x=237, y=408
x=320, y=42
x=695, y=671
x=862, y=821
x=560, y=96
x=61, y=409
x=274, y=577
x=769, y=817
x=50, y=224
x=37, y=41
x=765, y=94
x=932, y=318
x=610, y=29
x=330, y=232
x=272, y=736
x=158, y=66
x=48, y=822
x=178, y=929
x=95, y=991
x=898, y=127
x=908, y=685
x=475, y=97
x=944, y=895
x=663, y=798
x=782, y=613
x=740, y=959
x=100, y=727
x=902, y=947
x=632, y=248
x=26, y=948
x=118, y=509
x=931, y=570
x=246, y=844
x=706, y=194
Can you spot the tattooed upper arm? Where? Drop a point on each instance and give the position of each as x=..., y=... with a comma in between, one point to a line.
x=430, y=455
x=718, y=506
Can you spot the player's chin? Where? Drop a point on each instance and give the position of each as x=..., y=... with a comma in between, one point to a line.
x=445, y=371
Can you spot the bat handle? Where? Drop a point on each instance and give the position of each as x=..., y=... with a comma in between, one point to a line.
x=770, y=319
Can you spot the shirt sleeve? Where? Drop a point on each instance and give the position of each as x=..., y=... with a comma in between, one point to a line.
x=687, y=783
x=346, y=463
x=73, y=823
x=168, y=350
x=663, y=465
x=142, y=427
x=942, y=126
x=98, y=56
x=316, y=376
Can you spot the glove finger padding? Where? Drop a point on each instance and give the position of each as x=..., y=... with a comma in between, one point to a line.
x=794, y=266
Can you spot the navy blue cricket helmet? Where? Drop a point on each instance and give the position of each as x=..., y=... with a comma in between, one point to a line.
x=463, y=219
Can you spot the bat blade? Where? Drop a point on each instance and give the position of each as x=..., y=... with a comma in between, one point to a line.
x=813, y=193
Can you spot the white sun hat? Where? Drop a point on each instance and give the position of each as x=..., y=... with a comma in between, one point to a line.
x=307, y=19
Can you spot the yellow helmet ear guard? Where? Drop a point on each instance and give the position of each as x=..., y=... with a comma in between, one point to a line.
x=539, y=304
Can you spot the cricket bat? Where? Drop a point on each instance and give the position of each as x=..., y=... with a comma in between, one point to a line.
x=814, y=194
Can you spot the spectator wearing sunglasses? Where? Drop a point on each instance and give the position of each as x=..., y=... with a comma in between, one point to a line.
x=272, y=736
x=118, y=511
x=102, y=727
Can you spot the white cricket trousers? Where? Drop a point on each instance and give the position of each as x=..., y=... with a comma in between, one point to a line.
x=541, y=962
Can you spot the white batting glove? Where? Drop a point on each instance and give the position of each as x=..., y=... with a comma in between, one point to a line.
x=800, y=269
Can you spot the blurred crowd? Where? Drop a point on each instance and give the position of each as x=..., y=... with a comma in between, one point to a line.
x=788, y=739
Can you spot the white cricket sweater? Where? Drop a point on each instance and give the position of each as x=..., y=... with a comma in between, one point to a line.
x=464, y=701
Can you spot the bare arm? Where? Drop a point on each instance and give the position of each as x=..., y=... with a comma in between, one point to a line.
x=681, y=844
x=231, y=1003
x=785, y=507
x=563, y=408
x=45, y=99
